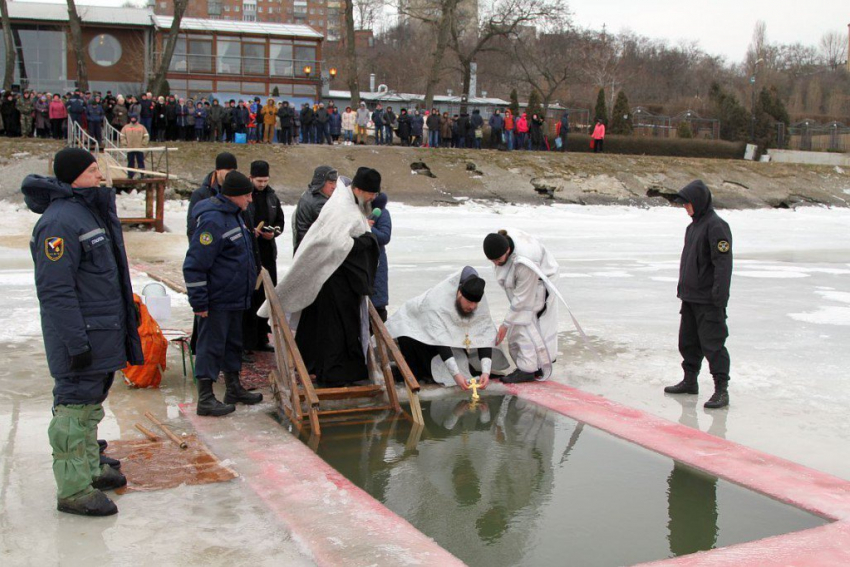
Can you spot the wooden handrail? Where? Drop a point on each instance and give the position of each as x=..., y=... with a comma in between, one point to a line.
x=276, y=311
x=386, y=343
x=382, y=334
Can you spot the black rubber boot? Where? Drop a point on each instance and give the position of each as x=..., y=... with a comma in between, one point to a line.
x=114, y=463
x=235, y=393
x=207, y=404
x=688, y=385
x=102, y=444
x=517, y=377
x=95, y=503
x=109, y=479
x=720, y=398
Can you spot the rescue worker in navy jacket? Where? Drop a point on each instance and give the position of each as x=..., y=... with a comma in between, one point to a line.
x=88, y=319
x=705, y=275
x=220, y=276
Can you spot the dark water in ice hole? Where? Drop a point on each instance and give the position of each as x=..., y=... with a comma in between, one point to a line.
x=511, y=483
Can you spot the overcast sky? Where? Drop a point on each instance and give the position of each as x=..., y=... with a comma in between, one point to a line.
x=722, y=27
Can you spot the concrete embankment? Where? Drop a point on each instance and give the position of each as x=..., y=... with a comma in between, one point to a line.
x=446, y=176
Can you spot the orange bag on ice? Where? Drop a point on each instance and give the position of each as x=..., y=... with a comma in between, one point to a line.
x=154, y=347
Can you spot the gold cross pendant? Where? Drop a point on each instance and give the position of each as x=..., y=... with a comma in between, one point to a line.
x=466, y=342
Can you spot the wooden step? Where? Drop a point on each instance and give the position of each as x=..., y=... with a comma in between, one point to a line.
x=350, y=392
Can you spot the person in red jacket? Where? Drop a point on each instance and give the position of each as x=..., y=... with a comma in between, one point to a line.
x=522, y=140
x=509, y=129
x=58, y=114
x=598, y=136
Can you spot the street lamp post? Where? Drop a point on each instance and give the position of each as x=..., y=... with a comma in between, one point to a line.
x=753, y=102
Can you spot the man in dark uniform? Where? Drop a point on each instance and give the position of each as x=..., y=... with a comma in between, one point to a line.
x=88, y=319
x=220, y=275
x=268, y=219
x=225, y=162
x=311, y=202
x=705, y=275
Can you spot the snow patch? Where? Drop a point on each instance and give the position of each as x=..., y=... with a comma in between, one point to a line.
x=825, y=316
x=770, y=275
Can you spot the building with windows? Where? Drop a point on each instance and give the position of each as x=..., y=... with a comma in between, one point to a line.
x=324, y=16
x=123, y=46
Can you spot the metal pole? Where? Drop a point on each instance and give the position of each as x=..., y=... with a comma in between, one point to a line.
x=753, y=110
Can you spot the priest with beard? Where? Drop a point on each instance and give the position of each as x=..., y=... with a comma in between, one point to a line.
x=446, y=334
x=325, y=293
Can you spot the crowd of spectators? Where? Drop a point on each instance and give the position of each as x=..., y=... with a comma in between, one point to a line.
x=171, y=118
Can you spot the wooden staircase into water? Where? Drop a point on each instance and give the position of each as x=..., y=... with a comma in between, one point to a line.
x=306, y=405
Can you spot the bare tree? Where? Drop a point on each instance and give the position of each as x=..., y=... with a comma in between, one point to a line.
x=507, y=19
x=833, y=49
x=157, y=83
x=9, y=73
x=351, y=54
x=368, y=13
x=440, y=15
x=546, y=63
x=77, y=45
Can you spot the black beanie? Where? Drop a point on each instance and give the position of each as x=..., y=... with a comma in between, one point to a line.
x=236, y=184
x=367, y=179
x=225, y=160
x=259, y=168
x=70, y=163
x=473, y=289
x=495, y=245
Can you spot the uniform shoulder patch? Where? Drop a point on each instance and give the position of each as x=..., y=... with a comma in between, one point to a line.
x=206, y=238
x=723, y=246
x=54, y=248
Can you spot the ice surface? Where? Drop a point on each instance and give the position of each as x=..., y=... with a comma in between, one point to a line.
x=788, y=340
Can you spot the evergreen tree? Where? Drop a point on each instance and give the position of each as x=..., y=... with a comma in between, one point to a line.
x=534, y=106
x=514, y=105
x=769, y=111
x=734, y=118
x=601, y=109
x=276, y=92
x=684, y=130
x=621, y=116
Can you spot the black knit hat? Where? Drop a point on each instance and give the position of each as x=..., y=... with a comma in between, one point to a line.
x=225, y=160
x=495, y=245
x=70, y=163
x=473, y=289
x=236, y=184
x=367, y=179
x=259, y=168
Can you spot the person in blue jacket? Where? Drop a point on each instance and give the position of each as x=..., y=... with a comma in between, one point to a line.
x=382, y=228
x=220, y=274
x=88, y=319
x=200, y=120
x=94, y=119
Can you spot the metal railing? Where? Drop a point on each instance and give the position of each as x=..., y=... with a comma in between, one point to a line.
x=79, y=138
x=112, y=140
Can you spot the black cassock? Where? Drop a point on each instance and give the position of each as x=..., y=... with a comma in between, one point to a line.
x=328, y=334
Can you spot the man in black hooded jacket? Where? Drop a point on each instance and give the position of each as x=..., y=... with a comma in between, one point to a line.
x=705, y=275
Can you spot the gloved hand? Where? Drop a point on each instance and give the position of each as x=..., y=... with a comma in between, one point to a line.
x=82, y=360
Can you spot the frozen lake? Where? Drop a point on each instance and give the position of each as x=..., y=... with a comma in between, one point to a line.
x=789, y=321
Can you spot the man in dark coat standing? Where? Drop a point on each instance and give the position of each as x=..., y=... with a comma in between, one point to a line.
x=267, y=215
x=705, y=275
x=321, y=187
x=220, y=275
x=88, y=319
